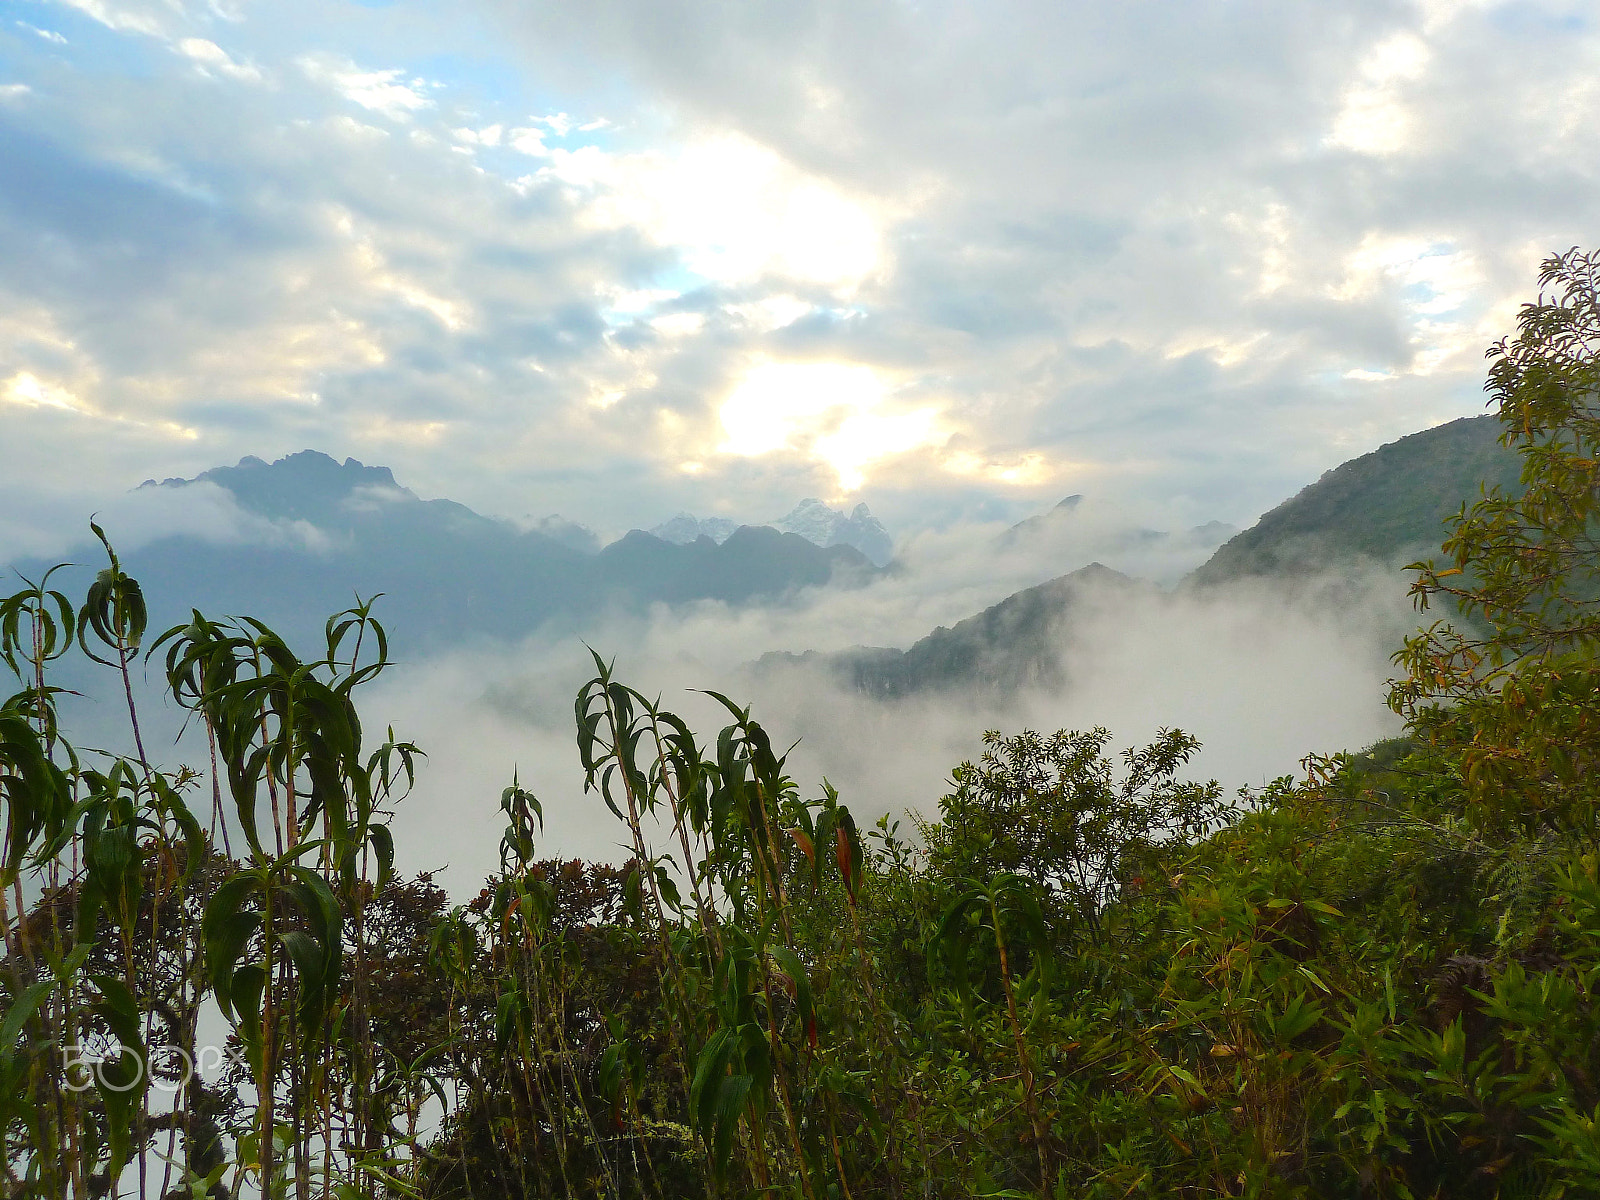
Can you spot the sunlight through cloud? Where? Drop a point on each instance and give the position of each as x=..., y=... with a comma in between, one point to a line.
x=835, y=413
x=1375, y=118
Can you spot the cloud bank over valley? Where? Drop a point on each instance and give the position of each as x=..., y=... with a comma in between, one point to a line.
x=1261, y=674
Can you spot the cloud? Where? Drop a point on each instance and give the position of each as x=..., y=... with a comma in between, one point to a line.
x=209, y=57
x=734, y=209
x=133, y=17
x=839, y=410
x=41, y=524
x=49, y=35
x=1261, y=676
x=1373, y=118
x=379, y=91
x=530, y=251
x=29, y=390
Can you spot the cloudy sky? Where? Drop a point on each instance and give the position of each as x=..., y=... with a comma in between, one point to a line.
x=623, y=257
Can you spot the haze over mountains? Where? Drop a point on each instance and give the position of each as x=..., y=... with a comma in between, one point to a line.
x=302, y=537
x=296, y=539
x=308, y=534
x=1077, y=615
x=811, y=519
x=1372, y=514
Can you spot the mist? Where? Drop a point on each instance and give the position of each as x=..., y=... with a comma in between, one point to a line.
x=1262, y=673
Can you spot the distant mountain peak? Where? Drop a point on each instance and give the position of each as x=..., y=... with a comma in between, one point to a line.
x=686, y=528
x=1040, y=523
x=815, y=521
x=812, y=519
x=307, y=485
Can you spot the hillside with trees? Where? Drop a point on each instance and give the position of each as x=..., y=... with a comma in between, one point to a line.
x=1083, y=974
x=1387, y=506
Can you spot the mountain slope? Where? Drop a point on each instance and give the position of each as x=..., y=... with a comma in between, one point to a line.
x=1386, y=506
x=1389, y=505
x=1012, y=645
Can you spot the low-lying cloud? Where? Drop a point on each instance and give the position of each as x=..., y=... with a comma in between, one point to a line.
x=44, y=524
x=1260, y=674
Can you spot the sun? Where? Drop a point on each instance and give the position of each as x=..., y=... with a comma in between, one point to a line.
x=840, y=414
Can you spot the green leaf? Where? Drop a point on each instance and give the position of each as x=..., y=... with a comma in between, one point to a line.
x=731, y=1096
x=21, y=1009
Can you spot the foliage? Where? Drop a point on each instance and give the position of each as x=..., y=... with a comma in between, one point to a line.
x=1051, y=810
x=1086, y=977
x=1515, y=688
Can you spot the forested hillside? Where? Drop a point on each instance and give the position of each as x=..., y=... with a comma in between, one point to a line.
x=1081, y=974
x=1389, y=506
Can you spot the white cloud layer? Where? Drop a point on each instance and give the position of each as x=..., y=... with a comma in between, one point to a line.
x=536, y=257
x=1260, y=677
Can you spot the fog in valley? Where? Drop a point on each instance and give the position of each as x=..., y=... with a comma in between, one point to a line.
x=1260, y=675
x=1261, y=671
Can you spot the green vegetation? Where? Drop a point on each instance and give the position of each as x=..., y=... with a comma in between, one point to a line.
x=1086, y=977
x=1386, y=506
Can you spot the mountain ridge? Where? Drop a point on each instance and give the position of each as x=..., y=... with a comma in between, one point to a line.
x=1388, y=505
x=447, y=572
x=1385, y=507
x=1009, y=646
x=811, y=519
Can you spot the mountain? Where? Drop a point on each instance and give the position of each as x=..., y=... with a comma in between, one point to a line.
x=686, y=527
x=1044, y=524
x=569, y=533
x=816, y=522
x=318, y=532
x=1076, y=530
x=755, y=561
x=810, y=519
x=1009, y=646
x=1389, y=506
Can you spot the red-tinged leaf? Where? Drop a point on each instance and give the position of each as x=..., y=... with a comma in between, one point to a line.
x=804, y=842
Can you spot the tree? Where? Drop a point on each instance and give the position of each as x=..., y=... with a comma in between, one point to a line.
x=1516, y=684
x=1053, y=810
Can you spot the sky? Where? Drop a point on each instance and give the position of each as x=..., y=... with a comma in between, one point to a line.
x=629, y=257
